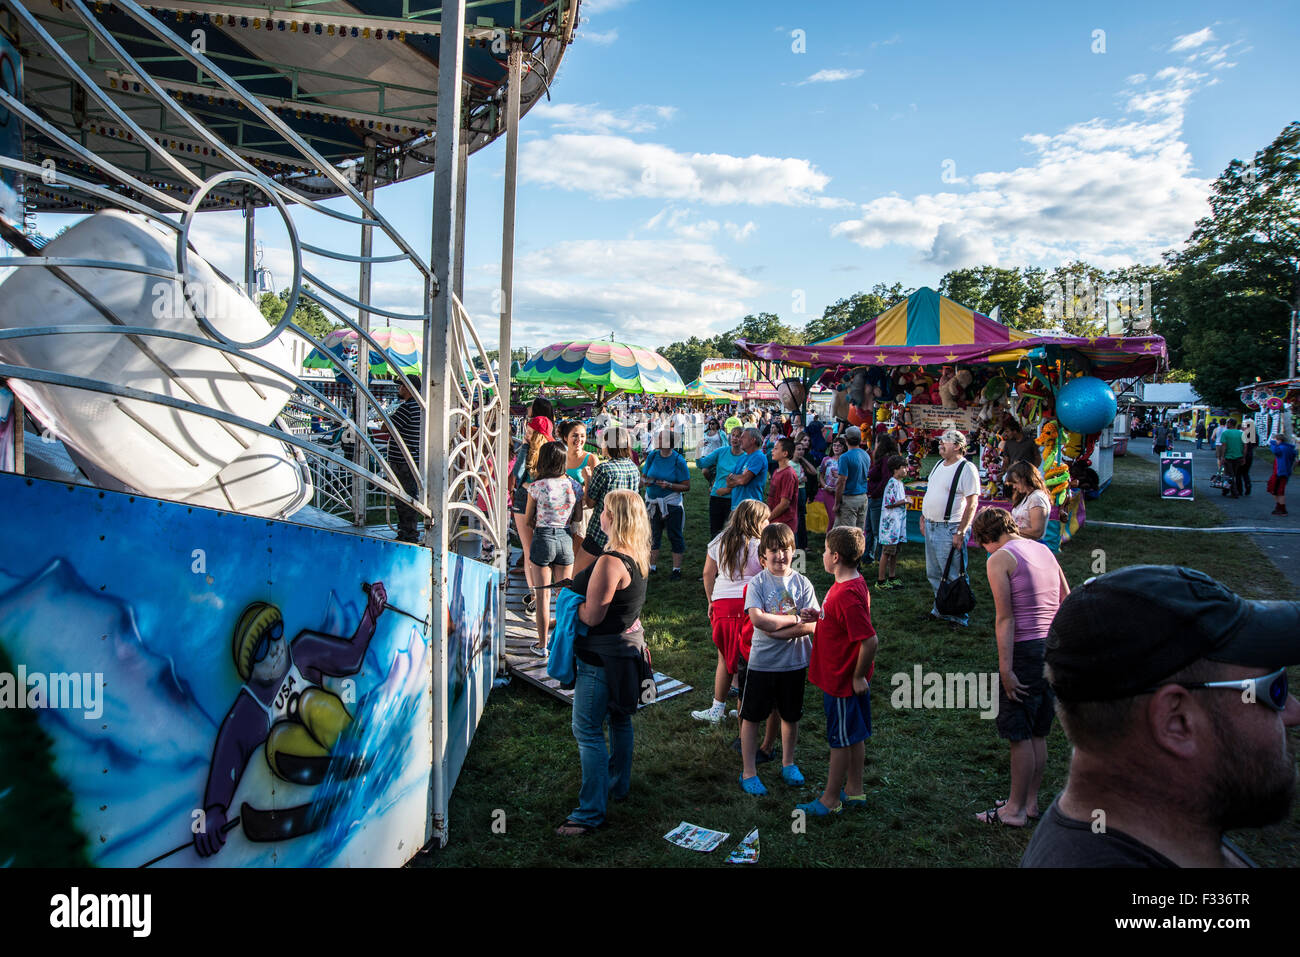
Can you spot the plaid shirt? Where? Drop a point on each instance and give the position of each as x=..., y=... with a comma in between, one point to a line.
x=608, y=476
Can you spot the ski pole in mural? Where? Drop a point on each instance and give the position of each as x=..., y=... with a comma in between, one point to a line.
x=365, y=587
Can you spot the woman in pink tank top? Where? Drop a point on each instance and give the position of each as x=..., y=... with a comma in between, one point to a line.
x=1028, y=587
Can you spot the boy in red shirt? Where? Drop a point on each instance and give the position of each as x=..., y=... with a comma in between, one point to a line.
x=843, y=659
x=783, y=489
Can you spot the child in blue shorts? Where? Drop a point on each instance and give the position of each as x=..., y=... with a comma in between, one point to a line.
x=843, y=659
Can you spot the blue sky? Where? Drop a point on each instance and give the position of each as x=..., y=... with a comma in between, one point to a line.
x=695, y=165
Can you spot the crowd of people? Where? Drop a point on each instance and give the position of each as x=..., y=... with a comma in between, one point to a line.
x=1234, y=443
x=600, y=518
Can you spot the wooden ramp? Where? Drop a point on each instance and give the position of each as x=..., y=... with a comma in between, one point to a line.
x=521, y=631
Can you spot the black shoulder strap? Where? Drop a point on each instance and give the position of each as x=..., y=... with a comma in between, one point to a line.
x=952, y=490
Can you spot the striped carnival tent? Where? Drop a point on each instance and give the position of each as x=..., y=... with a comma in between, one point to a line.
x=929, y=329
x=602, y=369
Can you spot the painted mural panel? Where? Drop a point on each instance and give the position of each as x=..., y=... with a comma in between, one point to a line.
x=474, y=645
x=167, y=670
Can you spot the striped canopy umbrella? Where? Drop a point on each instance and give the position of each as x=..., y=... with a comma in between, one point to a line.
x=603, y=369
x=697, y=391
x=402, y=350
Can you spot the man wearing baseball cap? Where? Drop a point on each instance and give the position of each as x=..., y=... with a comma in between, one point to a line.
x=1173, y=692
x=952, y=494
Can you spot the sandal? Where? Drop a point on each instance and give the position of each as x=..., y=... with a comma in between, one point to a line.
x=991, y=817
x=1032, y=817
x=582, y=830
x=530, y=604
x=792, y=776
x=752, y=786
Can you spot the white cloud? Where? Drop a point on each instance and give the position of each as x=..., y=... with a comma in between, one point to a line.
x=678, y=221
x=1109, y=191
x=1190, y=41
x=648, y=292
x=885, y=43
x=831, y=76
x=600, y=39
x=590, y=118
x=614, y=167
x=602, y=6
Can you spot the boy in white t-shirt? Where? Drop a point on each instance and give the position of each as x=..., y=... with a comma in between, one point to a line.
x=778, y=657
x=893, y=524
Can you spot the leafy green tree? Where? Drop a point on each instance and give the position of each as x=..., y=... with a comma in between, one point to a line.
x=308, y=316
x=1227, y=316
x=687, y=356
x=852, y=311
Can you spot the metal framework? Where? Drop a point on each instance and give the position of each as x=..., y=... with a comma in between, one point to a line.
x=127, y=107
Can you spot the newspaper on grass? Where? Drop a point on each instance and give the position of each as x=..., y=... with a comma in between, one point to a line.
x=695, y=838
x=746, y=851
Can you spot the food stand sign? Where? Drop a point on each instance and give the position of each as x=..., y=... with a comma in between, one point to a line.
x=1176, y=475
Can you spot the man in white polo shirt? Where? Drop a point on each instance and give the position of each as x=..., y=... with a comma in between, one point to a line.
x=952, y=495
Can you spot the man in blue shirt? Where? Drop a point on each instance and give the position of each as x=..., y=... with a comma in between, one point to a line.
x=748, y=476
x=851, y=503
x=722, y=461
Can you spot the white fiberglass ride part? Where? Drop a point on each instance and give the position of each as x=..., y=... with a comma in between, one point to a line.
x=271, y=480
x=161, y=451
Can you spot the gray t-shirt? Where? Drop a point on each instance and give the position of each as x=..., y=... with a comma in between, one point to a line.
x=780, y=596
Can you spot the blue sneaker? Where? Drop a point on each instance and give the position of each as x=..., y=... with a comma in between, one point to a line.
x=792, y=776
x=857, y=802
x=752, y=786
x=815, y=808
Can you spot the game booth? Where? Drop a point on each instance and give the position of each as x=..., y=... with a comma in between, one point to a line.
x=928, y=363
x=1271, y=402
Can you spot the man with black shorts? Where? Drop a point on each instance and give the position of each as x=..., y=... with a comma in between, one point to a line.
x=1173, y=692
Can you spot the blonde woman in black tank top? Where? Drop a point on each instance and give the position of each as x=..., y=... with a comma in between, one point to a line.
x=611, y=660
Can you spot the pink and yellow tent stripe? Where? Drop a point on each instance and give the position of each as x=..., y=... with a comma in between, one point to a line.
x=929, y=329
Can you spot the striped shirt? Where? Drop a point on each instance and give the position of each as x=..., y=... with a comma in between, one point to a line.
x=408, y=421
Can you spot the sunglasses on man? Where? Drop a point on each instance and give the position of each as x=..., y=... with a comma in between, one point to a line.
x=1270, y=690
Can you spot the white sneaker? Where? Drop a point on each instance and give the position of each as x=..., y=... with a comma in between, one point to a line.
x=733, y=713
x=712, y=715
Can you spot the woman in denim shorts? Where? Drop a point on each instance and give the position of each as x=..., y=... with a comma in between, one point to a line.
x=552, y=496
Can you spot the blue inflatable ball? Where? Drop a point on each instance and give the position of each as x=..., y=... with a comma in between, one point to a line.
x=1085, y=405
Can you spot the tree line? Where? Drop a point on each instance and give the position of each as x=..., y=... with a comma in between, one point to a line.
x=1222, y=301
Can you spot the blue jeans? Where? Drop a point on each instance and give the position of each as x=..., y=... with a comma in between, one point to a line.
x=938, y=543
x=874, y=507
x=676, y=525
x=603, y=774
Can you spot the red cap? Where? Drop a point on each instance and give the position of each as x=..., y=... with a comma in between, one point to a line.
x=543, y=425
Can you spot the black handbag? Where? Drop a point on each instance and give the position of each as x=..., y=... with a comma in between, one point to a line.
x=954, y=597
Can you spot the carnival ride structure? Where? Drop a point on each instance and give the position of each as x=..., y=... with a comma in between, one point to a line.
x=143, y=117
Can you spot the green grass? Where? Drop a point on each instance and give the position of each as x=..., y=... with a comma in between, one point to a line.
x=927, y=772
